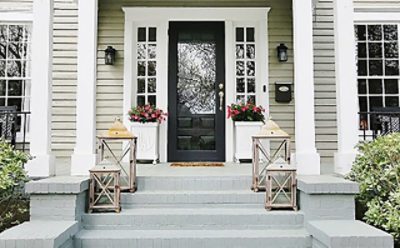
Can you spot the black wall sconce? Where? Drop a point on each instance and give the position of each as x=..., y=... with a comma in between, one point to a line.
x=110, y=55
x=282, y=53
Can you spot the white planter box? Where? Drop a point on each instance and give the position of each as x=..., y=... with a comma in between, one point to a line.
x=243, y=132
x=147, y=142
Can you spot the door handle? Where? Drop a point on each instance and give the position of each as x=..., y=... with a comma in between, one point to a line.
x=221, y=100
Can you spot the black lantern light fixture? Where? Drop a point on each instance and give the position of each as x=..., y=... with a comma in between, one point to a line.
x=282, y=53
x=110, y=55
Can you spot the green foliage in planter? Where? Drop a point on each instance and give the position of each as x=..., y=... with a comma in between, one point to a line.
x=13, y=203
x=377, y=170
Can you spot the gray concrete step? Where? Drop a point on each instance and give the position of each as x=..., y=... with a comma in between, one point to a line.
x=192, y=197
x=190, y=183
x=194, y=218
x=293, y=238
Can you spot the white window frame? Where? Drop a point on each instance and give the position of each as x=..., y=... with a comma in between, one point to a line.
x=11, y=17
x=160, y=18
x=361, y=18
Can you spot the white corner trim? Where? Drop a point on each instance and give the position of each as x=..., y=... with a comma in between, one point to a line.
x=16, y=17
x=376, y=17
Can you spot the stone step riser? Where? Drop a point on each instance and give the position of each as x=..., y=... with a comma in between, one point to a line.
x=193, y=198
x=218, y=242
x=193, y=183
x=191, y=221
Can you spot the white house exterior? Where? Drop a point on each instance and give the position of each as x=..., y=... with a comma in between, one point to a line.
x=73, y=95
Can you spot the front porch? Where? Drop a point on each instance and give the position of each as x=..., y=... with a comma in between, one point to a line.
x=194, y=207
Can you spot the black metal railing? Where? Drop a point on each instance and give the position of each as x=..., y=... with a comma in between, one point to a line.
x=378, y=123
x=14, y=127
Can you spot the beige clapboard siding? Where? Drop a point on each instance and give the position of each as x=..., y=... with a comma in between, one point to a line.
x=64, y=78
x=325, y=92
x=16, y=5
x=111, y=32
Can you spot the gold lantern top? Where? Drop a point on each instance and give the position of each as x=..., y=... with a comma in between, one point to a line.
x=272, y=130
x=117, y=131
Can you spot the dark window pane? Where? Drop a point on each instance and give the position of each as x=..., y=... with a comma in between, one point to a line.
x=374, y=32
x=15, y=88
x=2, y=102
x=251, y=99
x=375, y=86
x=360, y=32
x=362, y=50
x=240, y=68
x=152, y=68
x=390, y=32
x=14, y=68
x=152, y=100
x=141, y=68
x=141, y=100
x=239, y=51
x=152, y=86
x=240, y=85
x=16, y=33
x=152, y=34
x=152, y=51
x=250, y=34
x=362, y=86
x=207, y=142
x=251, y=68
x=375, y=50
x=391, y=101
x=251, y=85
x=362, y=67
x=240, y=98
x=363, y=104
x=141, y=51
x=391, y=86
x=391, y=67
x=239, y=34
x=375, y=68
x=2, y=51
x=15, y=102
x=141, y=34
x=375, y=102
x=250, y=51
x=391, y=50
x=141, y=85
x=2, y=87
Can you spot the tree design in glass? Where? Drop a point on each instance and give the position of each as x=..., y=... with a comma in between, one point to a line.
x=196, y=76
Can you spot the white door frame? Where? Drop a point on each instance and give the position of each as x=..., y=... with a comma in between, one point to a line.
x=160, y=18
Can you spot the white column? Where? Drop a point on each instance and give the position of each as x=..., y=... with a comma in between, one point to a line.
x=42, y=164
x=84, y=156
x=306, y=157
x=346, y=85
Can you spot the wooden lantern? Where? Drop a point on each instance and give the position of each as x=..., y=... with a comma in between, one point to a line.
x=264, y=154
x=281, y=185
x=104, y=190
x=118, y=132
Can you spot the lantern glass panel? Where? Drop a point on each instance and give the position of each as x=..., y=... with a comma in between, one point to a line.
x=281, y=188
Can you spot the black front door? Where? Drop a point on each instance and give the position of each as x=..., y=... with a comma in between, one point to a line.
x=196, y=122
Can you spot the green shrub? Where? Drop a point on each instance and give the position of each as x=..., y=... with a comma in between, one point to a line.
x=377, y=170
x=13, y=203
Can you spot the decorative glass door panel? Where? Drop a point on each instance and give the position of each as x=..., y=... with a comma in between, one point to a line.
x=196, y=92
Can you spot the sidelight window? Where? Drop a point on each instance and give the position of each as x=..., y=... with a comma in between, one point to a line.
x=245, y=64
x=146, y=65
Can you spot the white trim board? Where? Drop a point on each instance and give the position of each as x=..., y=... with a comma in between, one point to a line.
x=16, y=17
x=160, y=18
x=366, y=17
